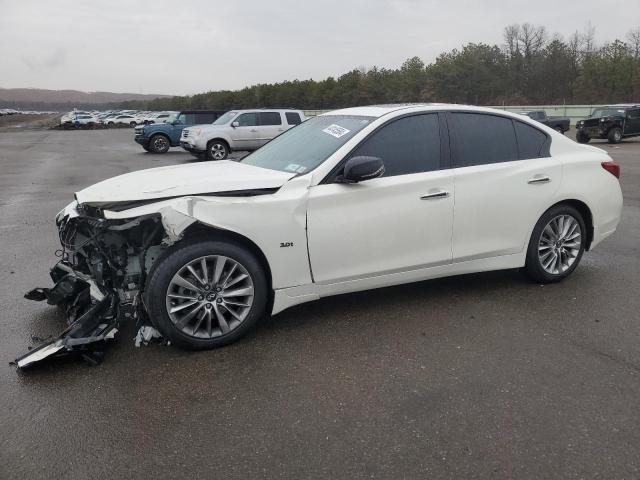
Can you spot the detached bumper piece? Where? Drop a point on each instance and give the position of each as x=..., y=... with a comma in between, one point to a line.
x=93, y=316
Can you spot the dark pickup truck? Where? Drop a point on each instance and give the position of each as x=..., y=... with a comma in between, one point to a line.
x=561, y=124
x=613, y=123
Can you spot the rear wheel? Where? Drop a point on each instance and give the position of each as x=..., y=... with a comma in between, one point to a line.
x=206, y=294
x=615, y=135
x=556, y=245
x=159, y=144
x=217, y=150
x=582, y=137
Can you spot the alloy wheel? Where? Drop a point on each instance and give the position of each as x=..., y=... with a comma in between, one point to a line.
x=218, y=151
x=159, y=143
x=209, y=296
x=559, y=244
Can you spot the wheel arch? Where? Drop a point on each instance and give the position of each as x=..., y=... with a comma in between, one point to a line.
x=219, y=139
x=584, y=210
x=199, y=230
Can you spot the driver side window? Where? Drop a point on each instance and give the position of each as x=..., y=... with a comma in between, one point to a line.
x=248, y=119
x=408, y=145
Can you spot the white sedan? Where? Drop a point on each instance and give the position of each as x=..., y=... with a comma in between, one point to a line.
x=350, y=200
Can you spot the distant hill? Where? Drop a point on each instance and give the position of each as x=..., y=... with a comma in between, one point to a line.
x=37, y=98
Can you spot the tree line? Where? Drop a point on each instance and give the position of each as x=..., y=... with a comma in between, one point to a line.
x=531, y=67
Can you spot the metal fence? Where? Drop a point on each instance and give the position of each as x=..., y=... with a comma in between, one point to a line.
x=573, y=112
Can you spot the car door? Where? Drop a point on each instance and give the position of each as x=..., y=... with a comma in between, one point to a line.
x=504, y=180
x=270, y=126
x=398, y=222
x=633, y=122
x=245, y=134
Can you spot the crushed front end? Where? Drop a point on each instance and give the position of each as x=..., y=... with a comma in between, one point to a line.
x=98, y=280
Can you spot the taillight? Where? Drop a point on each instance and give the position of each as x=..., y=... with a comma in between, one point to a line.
x=612, y=167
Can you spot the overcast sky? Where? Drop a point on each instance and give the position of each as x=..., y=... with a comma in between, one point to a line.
x=191, y=46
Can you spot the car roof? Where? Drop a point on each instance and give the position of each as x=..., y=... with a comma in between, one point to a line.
x=381, y=110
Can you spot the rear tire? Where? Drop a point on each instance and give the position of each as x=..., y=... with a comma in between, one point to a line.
x=159, y=144
x=556, y=246
x=582, y=138
x=217, y=150
x=615, y=135
x=559, y=130
x=224, y=308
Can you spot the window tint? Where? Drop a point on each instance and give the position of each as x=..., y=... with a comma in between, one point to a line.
x=635, y=114
x=481, y=139
x=407, y=145
x=201, y=118
x=530, y=141
x=293, y=118
x=269, y=118
x=248, y=119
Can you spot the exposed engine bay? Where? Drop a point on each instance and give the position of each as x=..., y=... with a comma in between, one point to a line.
x=98, y=280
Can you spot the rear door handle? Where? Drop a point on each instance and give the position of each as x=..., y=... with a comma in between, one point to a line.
x=253, y=130
x=435, y=194
x=539, y=179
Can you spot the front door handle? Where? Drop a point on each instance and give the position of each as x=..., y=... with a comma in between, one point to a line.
x=253, y=130
x=539, y=179
x=435, y=194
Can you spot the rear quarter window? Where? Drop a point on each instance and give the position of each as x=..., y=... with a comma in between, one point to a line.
x=293, y=118
x=532, y=143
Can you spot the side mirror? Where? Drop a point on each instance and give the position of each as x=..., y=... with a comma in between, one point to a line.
x=358, y=169
x=235, y=124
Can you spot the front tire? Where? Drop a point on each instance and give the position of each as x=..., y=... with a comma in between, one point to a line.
x=556, y=246
x=159, y=144
x=206, y=294
x=582, y=138
x=615, y=135
x=217, y=150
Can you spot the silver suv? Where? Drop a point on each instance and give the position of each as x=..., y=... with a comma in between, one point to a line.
x=238, y=130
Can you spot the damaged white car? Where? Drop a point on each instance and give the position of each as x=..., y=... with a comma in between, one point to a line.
x=351, y=200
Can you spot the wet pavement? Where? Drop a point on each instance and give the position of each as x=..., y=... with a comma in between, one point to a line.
x=477, y=376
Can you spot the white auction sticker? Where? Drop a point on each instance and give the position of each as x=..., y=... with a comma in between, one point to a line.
x=292, y=167
x=336, y=130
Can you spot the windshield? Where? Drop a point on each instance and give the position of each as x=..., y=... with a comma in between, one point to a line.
x=607, y=112
x=304, y=147
x=224, y=119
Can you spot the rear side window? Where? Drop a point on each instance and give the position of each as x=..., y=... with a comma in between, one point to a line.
x=532, y=142
x=408, y=145
x=269, y=118
x=293, y=118
x=482, y=139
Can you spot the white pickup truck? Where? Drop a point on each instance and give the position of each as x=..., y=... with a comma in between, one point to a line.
x=238, y=130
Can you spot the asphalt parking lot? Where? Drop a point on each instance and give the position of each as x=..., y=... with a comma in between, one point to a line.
x=478, y=376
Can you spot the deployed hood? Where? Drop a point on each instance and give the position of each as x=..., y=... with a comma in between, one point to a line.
x=206, y=178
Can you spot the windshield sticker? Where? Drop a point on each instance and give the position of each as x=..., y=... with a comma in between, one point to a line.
x=301, y=169
x=292, y=167
x=336, y=130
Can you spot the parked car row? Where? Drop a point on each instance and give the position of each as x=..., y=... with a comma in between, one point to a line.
x=114, y=118
x=213, y=135
x=11, y=111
